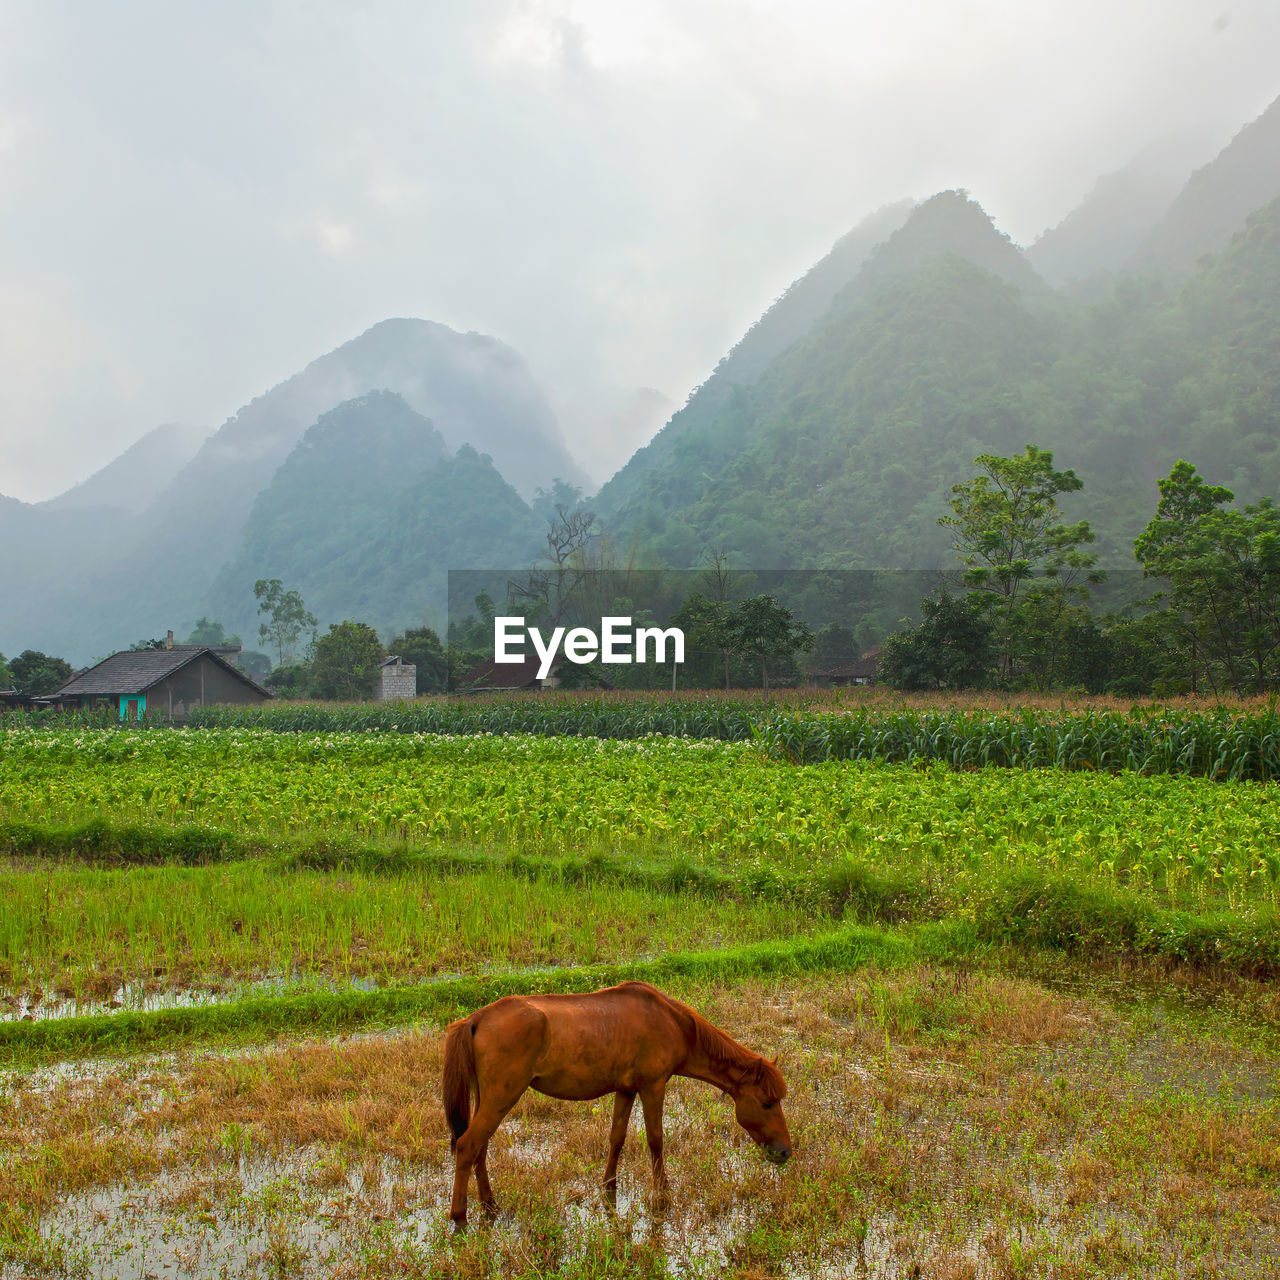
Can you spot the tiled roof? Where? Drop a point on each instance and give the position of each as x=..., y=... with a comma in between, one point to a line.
x=501, y=675
x=862, y=668
x=136, y=670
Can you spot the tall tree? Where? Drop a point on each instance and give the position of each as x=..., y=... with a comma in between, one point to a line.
x=1223, y=571
x=287, y=616
x=208, y=632
x=1009, y=534
x=547, y=591
x=951, y=648
x=705, y=623
x=422, y=647
x=761, y=627
x=346, y=659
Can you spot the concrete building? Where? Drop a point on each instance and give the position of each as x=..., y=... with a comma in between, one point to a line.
x=395, y=680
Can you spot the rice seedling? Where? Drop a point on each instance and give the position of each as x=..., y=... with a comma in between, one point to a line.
x=89, y=935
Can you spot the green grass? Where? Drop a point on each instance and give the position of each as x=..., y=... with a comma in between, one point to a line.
x=329, y=1012
x=79, y=932
x=578, y=907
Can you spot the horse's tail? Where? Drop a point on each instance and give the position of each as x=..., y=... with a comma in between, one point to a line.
x=459, y=1078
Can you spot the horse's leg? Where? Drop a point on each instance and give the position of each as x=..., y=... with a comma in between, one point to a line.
x=622, y=1103
x=482, y=1180
x=651, y=1100
x=473, y=1147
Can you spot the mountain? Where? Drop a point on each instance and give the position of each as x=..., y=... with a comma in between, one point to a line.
x=947, y=223
x=809, y=298
x=1104, y=231
x=131, y=481
x=842, y=453
x=1217, y=199
x=366, y=516
x=120, y=581
x=724, y=420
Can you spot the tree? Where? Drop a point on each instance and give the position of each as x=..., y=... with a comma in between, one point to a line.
x=36, y=673
x=761, y=627
x=1010, y=536
x=294, y=681
x=952, y=648
x=257, y=666
x=6, y=675
x=211, y=634
x=835, y=645
x=160, y=642
x=287, y=616
x=345, y=661
x=1147, y=654
x=562, y=497
x=422, y=647
x=1223, y=570
x=548, y=591
x=705, y=624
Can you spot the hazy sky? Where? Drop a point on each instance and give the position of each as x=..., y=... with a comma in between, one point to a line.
x=199, y=198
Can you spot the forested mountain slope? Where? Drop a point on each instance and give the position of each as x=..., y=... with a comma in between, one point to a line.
x=115, y=580
x=366, y=516
x=1105, y=230
x=697, y=484
x=843, y=452
x=1217, y=198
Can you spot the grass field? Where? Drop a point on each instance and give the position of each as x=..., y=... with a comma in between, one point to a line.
x=1028, y=1016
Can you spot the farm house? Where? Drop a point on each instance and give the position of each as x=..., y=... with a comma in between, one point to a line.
x=159, y=682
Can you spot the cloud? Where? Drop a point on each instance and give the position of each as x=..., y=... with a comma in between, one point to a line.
x=208, y=197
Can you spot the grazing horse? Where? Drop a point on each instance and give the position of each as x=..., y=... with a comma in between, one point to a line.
x=625, y=1040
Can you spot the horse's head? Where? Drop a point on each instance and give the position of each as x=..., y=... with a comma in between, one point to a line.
x=757, y=1099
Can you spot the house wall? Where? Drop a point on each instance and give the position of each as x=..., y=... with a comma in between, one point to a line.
x=395, y=682
x=186, y=691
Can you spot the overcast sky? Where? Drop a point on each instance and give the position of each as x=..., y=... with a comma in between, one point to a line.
x=200, y=198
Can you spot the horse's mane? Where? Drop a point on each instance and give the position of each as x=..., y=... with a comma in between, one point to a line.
x=736, y=1061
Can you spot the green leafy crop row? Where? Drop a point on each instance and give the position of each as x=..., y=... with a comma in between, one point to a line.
x=1222, y=743
x=1182, y=842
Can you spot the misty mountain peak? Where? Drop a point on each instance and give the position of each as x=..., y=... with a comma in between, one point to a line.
x=474, y=388
x=950, y=222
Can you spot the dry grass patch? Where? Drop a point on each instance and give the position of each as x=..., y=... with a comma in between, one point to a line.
x=972, y=1125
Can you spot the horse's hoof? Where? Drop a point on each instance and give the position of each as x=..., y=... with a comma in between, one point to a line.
x=459, y=1223
x=490, y=1208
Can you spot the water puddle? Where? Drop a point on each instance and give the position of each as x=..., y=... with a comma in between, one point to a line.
x=147, y=997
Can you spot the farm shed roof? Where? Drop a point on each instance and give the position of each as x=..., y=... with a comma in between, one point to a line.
x=137, y=670
x=500, y=675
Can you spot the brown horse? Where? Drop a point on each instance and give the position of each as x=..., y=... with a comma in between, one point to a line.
x=625, y=1040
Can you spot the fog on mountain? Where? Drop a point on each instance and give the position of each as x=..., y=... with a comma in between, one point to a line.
x=1141, y=329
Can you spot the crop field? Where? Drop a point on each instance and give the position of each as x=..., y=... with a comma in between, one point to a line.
x=1232, y=741
x=1028, y=1015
